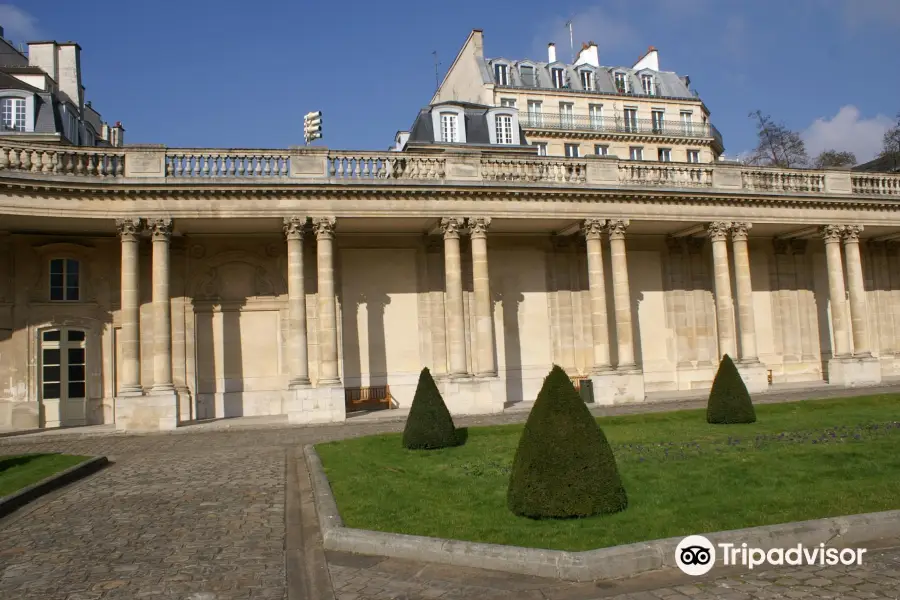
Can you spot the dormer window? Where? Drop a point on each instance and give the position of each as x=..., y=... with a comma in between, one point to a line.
x=527, y=74
x=647, y=84
x=559, y=79
x=501, y=74
x=621, y=83
x=13, y=112
x=587, y=81
x=504, y=129
x=449, y=127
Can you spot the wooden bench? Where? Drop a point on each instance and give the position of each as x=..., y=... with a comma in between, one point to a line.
x=374, y=397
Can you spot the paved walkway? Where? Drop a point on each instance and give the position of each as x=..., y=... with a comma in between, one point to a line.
x=200, y=514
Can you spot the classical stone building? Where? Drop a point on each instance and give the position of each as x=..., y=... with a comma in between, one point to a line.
x=581, y=108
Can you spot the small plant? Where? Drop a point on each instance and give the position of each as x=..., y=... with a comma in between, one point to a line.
x=563, y=466
x=429, y=425
x=729, y=400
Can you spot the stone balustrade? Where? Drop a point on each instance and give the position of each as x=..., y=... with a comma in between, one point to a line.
x=321, y=165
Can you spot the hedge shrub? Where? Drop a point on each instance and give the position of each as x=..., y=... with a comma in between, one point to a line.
x=429, y=425
x=729, y=400
x=563, y=466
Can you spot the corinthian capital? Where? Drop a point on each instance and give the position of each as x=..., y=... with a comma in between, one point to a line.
x=450, y=227
x=160, y=228
x=616, y=228
x=718, y=230
x=592, y=228
x=851, y=233
x=478, y=226
x=130, y=228
x=324, y=227
x=293, y=227
x=740, y=231
x=832, y=233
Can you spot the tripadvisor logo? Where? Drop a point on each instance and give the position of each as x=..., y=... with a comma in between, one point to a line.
x=696, y=555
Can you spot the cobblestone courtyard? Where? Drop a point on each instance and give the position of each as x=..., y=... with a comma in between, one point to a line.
x=200, y=515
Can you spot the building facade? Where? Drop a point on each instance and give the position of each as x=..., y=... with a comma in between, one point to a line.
x=42, y=98
x=151, y=286
x=583, y=108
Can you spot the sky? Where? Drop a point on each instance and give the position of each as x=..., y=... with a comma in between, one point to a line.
x=229, y=74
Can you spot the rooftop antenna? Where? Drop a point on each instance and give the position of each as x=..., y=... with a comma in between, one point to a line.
x=437, y=82
x=571, y=39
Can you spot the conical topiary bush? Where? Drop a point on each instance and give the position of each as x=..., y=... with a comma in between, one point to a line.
x=729, y=400
x=429, y=424
x=564, y=466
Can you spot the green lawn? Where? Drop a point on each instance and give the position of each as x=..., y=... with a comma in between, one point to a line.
x=802, y=460
x=20, y=471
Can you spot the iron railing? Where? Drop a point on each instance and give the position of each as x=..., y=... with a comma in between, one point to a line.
x=618, y=124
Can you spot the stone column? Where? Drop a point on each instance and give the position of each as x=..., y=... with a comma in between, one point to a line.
x=739, y=232
x=857, y=291
x=621, y=293
x=129, y=338
x=450, y=227
x=328, y=346
x=297, y=344
x=162, y=311
x=484, y=323
x=718, y=235
x=593, y=230
x=831, y=234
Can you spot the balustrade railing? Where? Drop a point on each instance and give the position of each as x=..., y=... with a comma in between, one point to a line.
x=249, y=163
x=62, y=160
x=776, y=180
x=547, y=170
x=881, y=184
x=331, y=166
x=687, y=175
x=619, y=124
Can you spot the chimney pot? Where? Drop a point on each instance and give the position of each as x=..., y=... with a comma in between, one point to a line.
x=551, y=52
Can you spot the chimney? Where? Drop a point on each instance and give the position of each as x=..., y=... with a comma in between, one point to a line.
x=649, y=61
x=117, y=138
x=70, y=73
x=45, y=56
x=551, y=52
x=588, y=55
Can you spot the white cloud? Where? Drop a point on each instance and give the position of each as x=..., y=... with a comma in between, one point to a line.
x=17, y=24
x=846, y=131
x=611, y=34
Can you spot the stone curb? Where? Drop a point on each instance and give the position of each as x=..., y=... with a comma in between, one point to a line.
x=16, y=500
x=606, y=563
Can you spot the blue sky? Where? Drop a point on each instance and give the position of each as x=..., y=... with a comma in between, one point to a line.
x=235, y=74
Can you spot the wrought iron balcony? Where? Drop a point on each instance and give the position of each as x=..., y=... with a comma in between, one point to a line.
x=577, y=122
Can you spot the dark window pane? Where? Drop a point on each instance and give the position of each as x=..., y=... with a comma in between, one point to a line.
x=51, y=335
x=51, y=373
x=76, y=336
x=76, y=372
x=71, y=293
x=72, y=266
x=56, y=266
x=76, y=356
x=51, y=391
x=76, y=389
x=56, y=293
x=56, y=280
x=51, y=356
x=72, y=279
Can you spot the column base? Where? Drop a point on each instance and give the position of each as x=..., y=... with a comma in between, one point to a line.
x=186, y=410
x=755, y=375
x=853, y=371
x=299, y=383
x=154, y=412
x=473, y=395
x=601, y=369
x=309, y=405
x=618, y=387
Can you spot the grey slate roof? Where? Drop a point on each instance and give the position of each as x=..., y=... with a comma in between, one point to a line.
x=670, y=84
x=422, y=130
x=882, y=164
